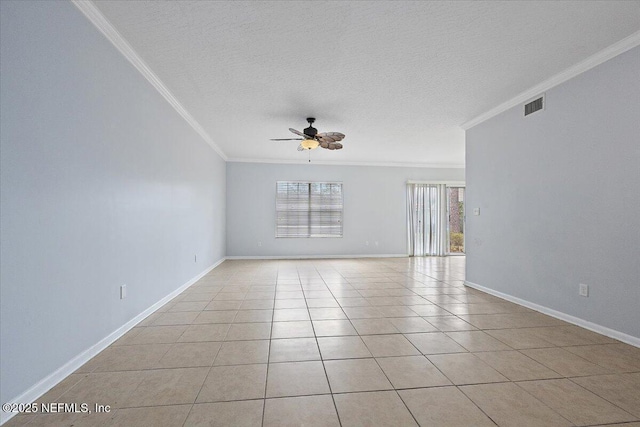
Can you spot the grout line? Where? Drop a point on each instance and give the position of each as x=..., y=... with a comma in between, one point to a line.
x=266, y=381
x=335, y=406
x=478, y=406
x=541, y=402
x=604, y=398
x=210, y=367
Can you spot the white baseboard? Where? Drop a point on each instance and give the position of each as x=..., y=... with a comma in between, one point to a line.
x=316, y=256
x=611, y=333
x=70, y=367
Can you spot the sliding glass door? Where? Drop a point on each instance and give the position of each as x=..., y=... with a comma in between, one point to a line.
x=436, y=215
x=456, y=213
x=427, y=222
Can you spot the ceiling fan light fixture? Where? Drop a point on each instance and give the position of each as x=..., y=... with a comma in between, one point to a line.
x=309, y=144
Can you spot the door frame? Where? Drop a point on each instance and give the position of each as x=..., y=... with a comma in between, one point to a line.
x=448, y=184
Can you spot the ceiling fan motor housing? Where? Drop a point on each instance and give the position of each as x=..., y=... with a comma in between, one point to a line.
x=310, y=131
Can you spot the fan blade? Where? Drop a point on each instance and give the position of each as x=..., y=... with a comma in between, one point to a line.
x=301, y=148
x=331, y=145
x=287, y=139
x=330, y=136
x=297, y=132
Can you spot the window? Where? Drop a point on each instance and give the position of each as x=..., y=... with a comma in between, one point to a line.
x=308, y=209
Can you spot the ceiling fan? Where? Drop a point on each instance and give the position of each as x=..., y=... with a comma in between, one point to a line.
x=311, y=139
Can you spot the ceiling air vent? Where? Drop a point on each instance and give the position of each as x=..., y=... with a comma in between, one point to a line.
x=533, y=106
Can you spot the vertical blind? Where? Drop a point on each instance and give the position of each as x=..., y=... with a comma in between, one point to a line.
x=308, y=209
x=427, y=219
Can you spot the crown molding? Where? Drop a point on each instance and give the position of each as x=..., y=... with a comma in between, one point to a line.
x=93, y=14
x=333, y=163
x=604, y=55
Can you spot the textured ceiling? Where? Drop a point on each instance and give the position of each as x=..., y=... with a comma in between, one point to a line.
x=398, y=78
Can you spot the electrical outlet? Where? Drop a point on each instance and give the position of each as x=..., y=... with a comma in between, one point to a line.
x=476, y=211
x=259, y=244
x=123, y=291
x=366, y=243
x=584, y=290
x=195, y=258
x=376, y=243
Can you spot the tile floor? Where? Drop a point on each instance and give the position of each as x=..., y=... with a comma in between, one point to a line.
x=367, y=342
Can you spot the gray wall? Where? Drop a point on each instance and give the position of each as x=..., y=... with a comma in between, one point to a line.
x=374, y=208
x=103, y=184
x=559, y=198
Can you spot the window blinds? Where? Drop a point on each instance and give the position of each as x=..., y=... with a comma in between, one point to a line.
x=308, y=209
